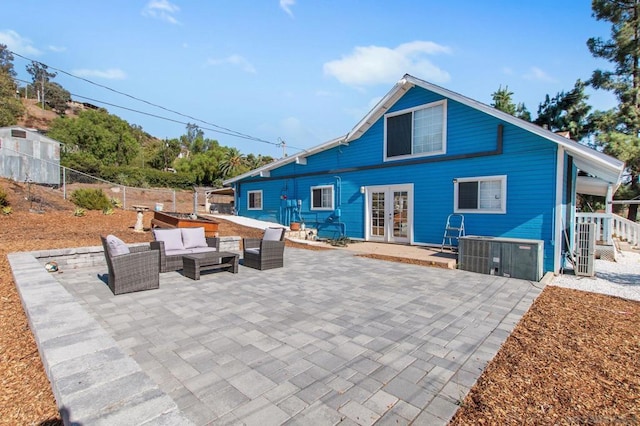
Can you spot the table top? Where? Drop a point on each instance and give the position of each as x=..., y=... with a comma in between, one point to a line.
x=141, y=207
x=210, y=254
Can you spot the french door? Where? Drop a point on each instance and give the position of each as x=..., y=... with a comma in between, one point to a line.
x=389, y=213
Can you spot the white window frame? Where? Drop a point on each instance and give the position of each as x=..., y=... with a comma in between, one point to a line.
x=321, y=187
x=258, y=191
x=503, y=194
x=412, y=110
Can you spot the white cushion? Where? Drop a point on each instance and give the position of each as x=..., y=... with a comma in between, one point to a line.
x=116, y=246
x=272, y=234
x=172, y=238
x=193, y=237
x=252, y=250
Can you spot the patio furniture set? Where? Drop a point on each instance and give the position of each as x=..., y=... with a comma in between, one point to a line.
x=138, y=268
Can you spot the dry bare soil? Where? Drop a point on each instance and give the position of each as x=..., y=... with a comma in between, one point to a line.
x=574, y=358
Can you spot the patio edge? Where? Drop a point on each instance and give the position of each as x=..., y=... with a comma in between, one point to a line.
x=93, y=380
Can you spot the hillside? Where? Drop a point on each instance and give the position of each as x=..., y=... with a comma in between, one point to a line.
x=37, y=118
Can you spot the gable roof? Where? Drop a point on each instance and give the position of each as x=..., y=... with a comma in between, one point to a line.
x=587, y=159
x=33, y=132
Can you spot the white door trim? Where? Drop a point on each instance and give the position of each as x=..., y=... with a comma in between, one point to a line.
x=389, y=190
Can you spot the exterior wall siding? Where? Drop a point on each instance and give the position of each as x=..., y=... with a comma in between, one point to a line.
x=528, y=161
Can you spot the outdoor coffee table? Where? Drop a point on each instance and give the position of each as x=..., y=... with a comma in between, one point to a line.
x=195, y=263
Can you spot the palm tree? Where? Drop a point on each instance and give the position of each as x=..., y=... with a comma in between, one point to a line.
x=233, y=163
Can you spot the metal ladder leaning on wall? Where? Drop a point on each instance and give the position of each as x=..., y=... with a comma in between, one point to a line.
x=453, y=230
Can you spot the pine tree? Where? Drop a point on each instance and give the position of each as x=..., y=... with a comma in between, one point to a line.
x=618, y=130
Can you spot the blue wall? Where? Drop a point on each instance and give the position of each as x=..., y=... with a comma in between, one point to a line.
x=528, y=161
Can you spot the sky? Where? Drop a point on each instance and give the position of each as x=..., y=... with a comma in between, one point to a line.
x=299, y=71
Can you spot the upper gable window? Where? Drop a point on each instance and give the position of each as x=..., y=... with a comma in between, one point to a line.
x=416, y=132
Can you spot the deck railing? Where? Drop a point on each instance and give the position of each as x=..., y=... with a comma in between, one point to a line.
x=610, y=225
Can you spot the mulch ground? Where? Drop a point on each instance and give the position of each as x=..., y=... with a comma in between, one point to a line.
x=574, y=358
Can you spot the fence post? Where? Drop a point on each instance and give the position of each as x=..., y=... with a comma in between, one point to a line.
x=124, y=197
x=174, y=201
x=64, y=183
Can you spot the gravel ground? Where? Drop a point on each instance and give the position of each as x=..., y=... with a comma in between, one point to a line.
x=620, y=278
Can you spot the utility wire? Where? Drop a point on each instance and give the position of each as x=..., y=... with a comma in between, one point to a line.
x=222, y=130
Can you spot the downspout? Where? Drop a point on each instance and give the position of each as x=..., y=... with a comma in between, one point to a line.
x=558, y=225
x=338, y=208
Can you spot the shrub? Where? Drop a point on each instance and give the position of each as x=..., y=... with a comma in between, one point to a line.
x=6, y=210
x=4, y=201
x=115, y=202
x=107, y=211
x=90, y=199
x=79, y=212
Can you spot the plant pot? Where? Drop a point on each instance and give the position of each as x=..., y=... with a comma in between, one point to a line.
x=294, y=226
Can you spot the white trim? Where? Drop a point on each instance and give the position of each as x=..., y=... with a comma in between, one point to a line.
x=388, y=231
x=559, y=222
x=598, y=163
x=441, y=151
x=333, y=196
x=249, y=199
x=503, y=194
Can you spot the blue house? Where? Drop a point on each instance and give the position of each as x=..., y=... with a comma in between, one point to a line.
x=423, y=153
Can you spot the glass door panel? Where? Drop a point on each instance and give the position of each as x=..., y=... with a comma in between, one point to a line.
x=377, y=214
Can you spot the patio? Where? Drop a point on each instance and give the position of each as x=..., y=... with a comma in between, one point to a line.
x=330, y=338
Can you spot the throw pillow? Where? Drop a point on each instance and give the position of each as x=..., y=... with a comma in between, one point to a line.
x=193, y=237
x=116, y=246
x=272, y=234
x=172, y=238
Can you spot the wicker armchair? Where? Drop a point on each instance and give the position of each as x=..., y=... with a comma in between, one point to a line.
x=265, y=253
x=134, y=271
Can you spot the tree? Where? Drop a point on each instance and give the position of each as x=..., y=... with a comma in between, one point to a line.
x=6, y=61
x=98, y=135
x=57, y=97
x=566, y=112
x=10, y=108
x=41, y=79
x=502, y=101
x=233, y=163
x=620, y=131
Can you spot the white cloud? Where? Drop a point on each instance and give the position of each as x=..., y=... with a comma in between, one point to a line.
x=235, y=60
x=286, y=6
x=537, y=74
x=109, y=74
x=57, y=49
x=18, y=44
x=161, y=9
x=382, y=65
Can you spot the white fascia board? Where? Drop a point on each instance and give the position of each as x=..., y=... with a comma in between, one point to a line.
x=611, y=165
x=302, y=157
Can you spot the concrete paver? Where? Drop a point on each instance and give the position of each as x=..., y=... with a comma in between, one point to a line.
x=329, y=338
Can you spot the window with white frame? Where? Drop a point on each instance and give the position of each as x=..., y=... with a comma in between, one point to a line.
x=480, y=194
x=322, y=197
x=254, y=200
x=416, y=132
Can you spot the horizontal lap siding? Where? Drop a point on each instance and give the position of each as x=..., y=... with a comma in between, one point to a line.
x=527, y=160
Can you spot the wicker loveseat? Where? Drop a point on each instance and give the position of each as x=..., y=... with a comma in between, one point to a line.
x=265, y=253
x=134, y=268
x=174, y=243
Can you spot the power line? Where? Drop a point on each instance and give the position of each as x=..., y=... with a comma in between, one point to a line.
x=223, y=130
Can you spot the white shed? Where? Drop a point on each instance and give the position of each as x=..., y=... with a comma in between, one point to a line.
x=26, y=155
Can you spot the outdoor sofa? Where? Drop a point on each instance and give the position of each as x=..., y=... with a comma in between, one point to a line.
x=174, y=243
x=131, y=268
x=265, y=253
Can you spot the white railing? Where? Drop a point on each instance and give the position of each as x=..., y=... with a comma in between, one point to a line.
x=610, y=225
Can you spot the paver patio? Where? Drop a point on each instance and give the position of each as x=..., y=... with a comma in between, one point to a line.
x=331, y=338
